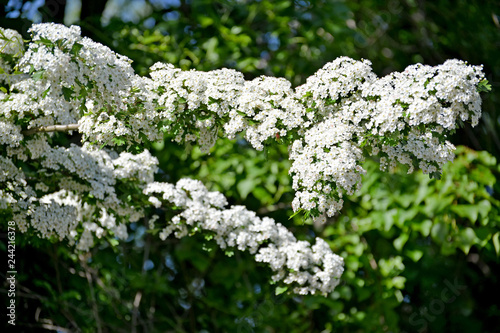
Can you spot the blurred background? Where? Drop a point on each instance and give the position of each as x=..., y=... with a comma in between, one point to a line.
x=421, y=255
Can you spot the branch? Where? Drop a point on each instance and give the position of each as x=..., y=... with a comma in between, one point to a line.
x=138, y=295
x=52, y=128
x=88, y=275
x=47, y=326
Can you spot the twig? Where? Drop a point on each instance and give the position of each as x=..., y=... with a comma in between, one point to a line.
x=138, y=295
x=92, y=294
x=51, y=128
x=47, y=326
x=55, y=261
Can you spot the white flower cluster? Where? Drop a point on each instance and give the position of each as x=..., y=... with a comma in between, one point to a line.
x=75, y=175
x=66, y=76
x=401, y=117
x=308, y=269
x=13, y=183
x=11, y=42
x=195, y=105
x=340, y=115
x=63, y=211
x=190, y=102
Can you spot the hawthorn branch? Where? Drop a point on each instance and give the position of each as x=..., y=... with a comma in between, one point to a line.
x=51, y=128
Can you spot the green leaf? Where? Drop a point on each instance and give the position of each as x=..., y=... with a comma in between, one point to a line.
x=486, y=158
x=205, y=21
x=389, y=219
x=467, y=238
x=401, y=241
x=398, y=282
x=262, y=195
x=424, y=227
x=46, y=92
x=439, y=231
x=472, y=211
x=118, y=141
x=280, y=290
x=496, y=242
x=414, y=255
x=484, y=86
x=435, y=175
x=37, y=76
x=406, y=215
x=245, y=187
x=67, y=92
x=296, y=213
x=72, y=294
x=76, y=48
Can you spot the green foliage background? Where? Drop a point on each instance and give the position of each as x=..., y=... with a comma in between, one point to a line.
x=421, y=255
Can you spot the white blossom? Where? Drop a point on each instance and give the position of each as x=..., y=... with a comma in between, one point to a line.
x=237, y=227
x=342, y=114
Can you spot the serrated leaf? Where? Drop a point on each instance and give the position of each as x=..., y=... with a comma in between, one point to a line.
x=67, y=92
x=76, y=48
x=118, y=141
x=484, y=86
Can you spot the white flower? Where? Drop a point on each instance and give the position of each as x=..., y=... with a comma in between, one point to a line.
x=11, y=42
x=242, y=229
x=342, y=113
